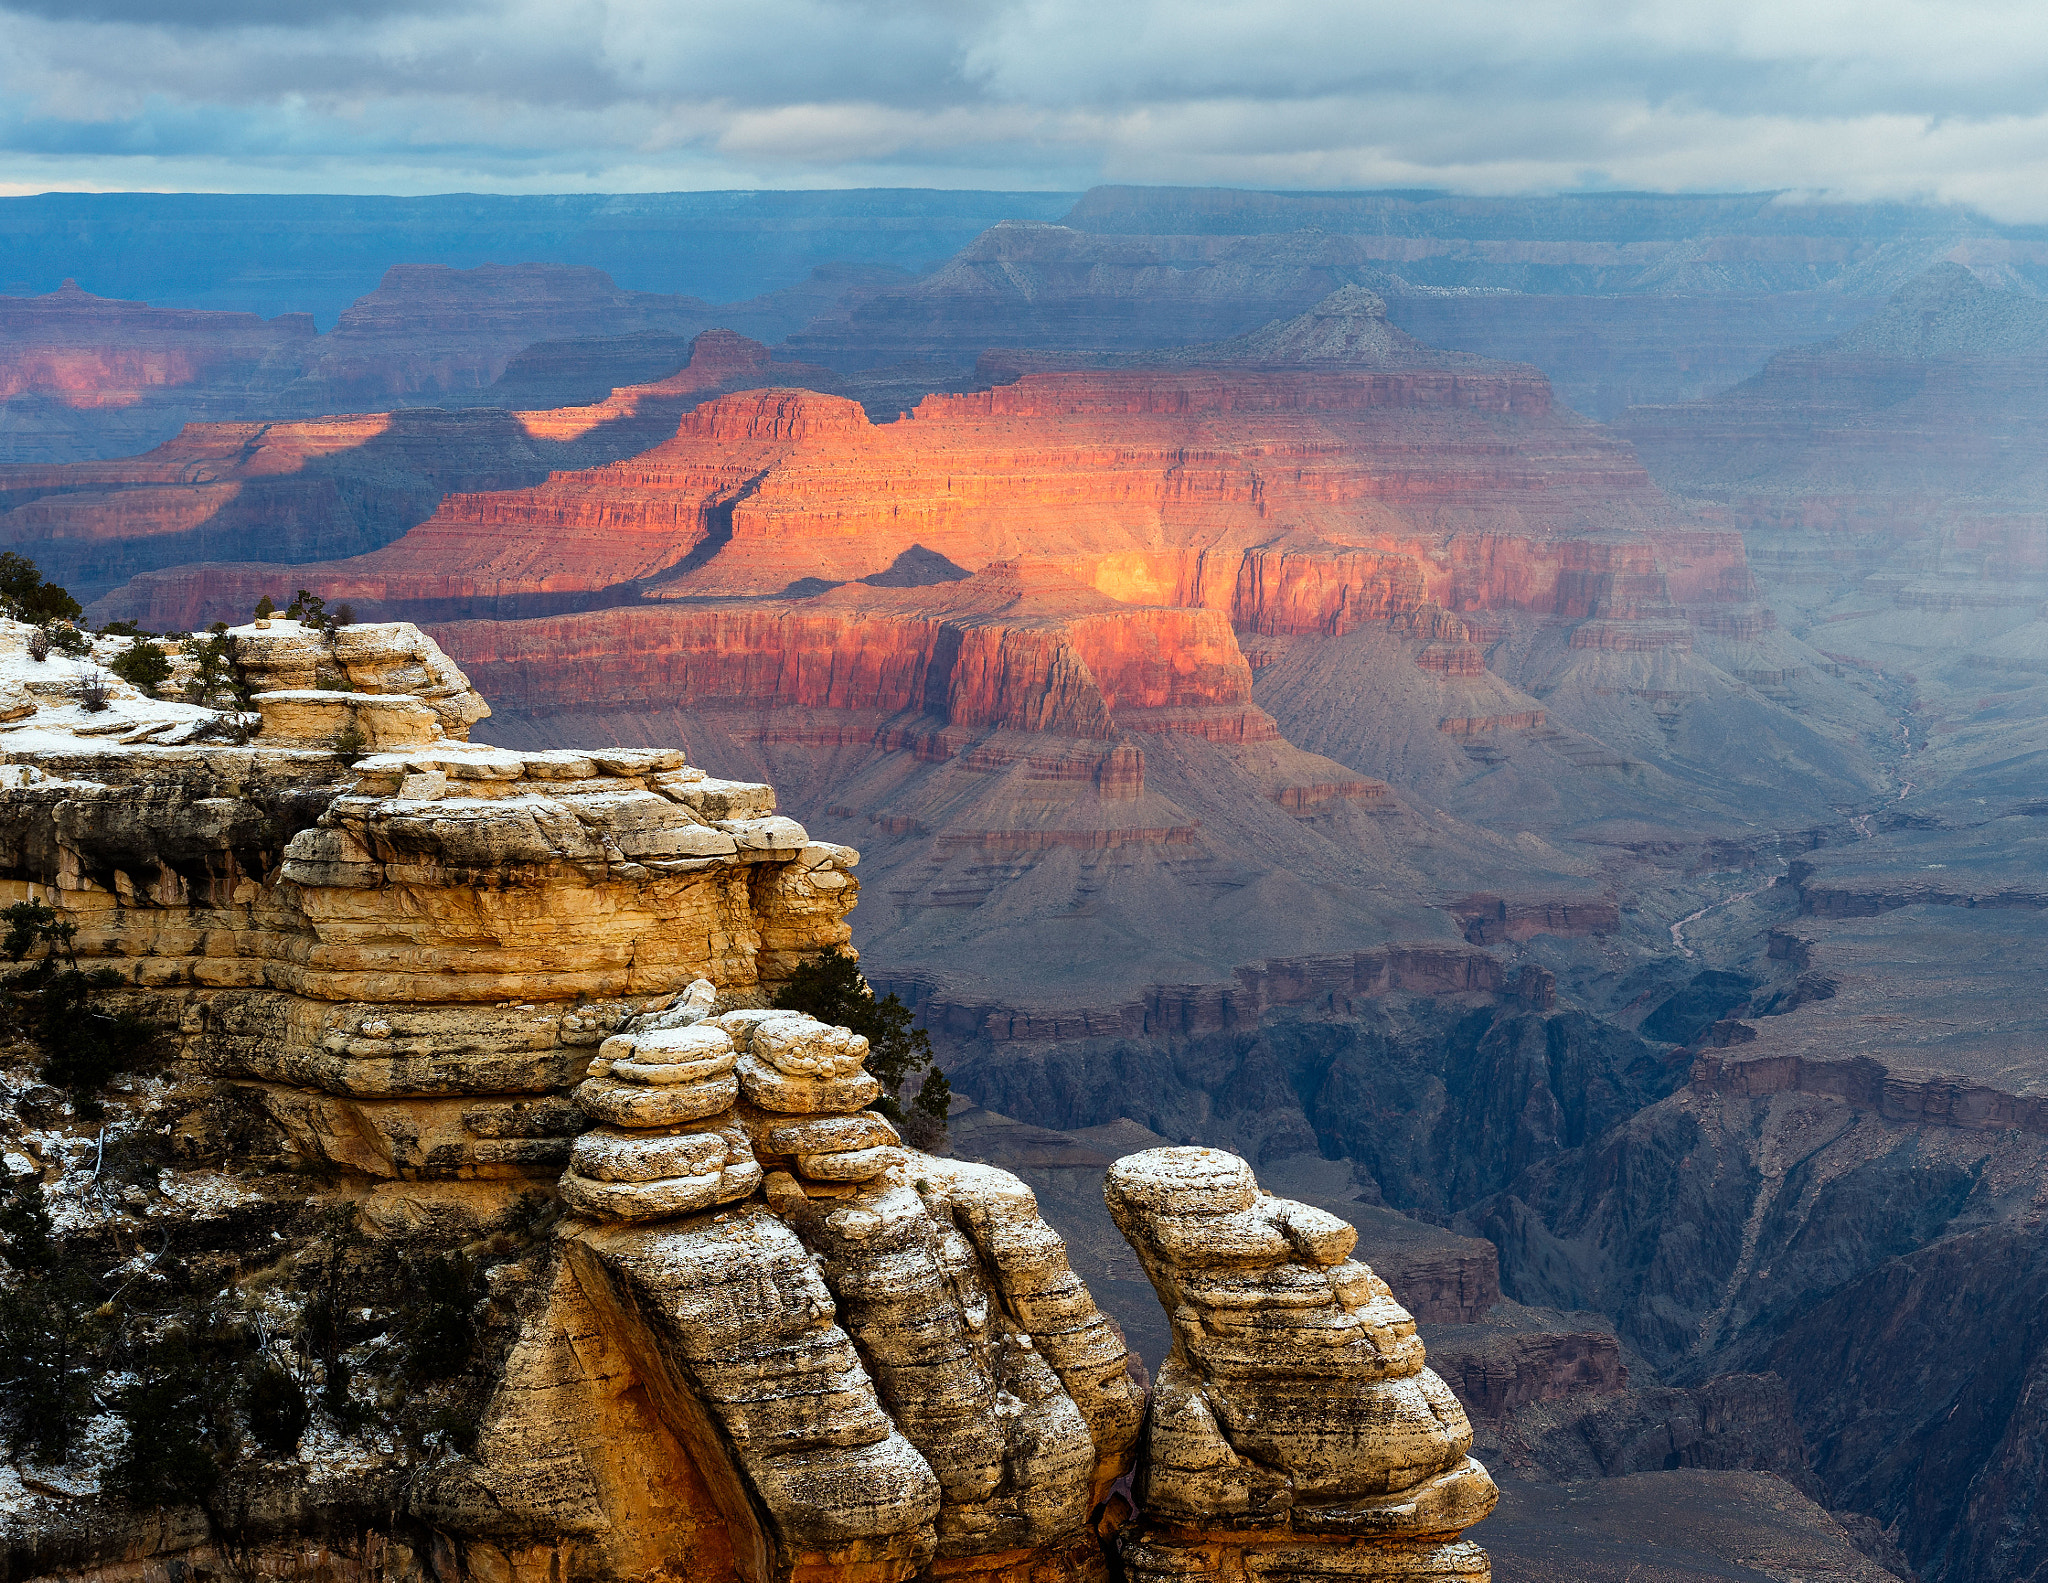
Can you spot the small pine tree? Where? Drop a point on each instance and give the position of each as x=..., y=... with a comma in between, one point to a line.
x=214, y=680
x=830, y=988
x=310, y=608
x=142, y=664
x=265, y=609
x=26, y=597
x=66, y=639
x=321, y=1336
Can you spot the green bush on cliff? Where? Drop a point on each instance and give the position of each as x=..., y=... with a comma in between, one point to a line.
x=61, y=636
x=26, y=597
x=214, y=682
x=61, y=1009
x=142, y=664
x=181, y=1431
x=275, y=1404
x=830, y=988
x=442, y=1332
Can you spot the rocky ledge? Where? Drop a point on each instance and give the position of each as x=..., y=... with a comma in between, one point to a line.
x=518, y=1005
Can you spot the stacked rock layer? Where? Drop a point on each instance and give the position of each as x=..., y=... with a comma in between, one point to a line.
x=1294, y=1430
x=769, y=1342
x=880, y=1366
x=407, y=957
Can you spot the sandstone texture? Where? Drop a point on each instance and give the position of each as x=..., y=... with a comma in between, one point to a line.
x=408, y=950
x=1294, y=1415
x=766, y=1341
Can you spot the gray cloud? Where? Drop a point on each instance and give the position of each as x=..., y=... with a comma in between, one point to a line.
x=1874, y=98
x=212, y=15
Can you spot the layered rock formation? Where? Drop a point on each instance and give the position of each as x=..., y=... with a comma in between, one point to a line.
x=820, y=1355
x=315, y=488
x=373, y=941
x=84, y=376
x=1914, y=427
x=1617, y=300
x=1294, y=1427
x=980, y=1407
x=320, y=252
x=1363, y=462
x=428, y=331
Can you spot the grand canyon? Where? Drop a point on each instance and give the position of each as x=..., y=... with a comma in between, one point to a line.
x=1448, y=779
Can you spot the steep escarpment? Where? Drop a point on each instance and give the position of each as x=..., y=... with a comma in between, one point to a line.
x=1019, y=646
x=85, y=376
x=314, y=488
x=509, y=1008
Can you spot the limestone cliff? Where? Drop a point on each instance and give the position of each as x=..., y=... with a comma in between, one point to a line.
x=465, y=990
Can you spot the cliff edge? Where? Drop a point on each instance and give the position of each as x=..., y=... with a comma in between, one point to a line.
x=504, y=1230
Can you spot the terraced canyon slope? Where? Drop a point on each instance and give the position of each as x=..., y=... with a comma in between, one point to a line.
x=1016, y=631
x=312, y=488
x=1855, y=1158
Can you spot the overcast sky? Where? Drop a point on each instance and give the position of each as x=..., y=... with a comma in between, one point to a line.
x=1858, y=99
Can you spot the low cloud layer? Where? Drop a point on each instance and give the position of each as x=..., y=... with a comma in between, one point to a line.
x=1867, y=100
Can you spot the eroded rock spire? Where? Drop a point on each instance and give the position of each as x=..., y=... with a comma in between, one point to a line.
x=1294, y=1430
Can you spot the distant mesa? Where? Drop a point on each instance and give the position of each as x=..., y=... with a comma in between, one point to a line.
x=1348, y=329
x=314, y=489
x=1948, y=312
